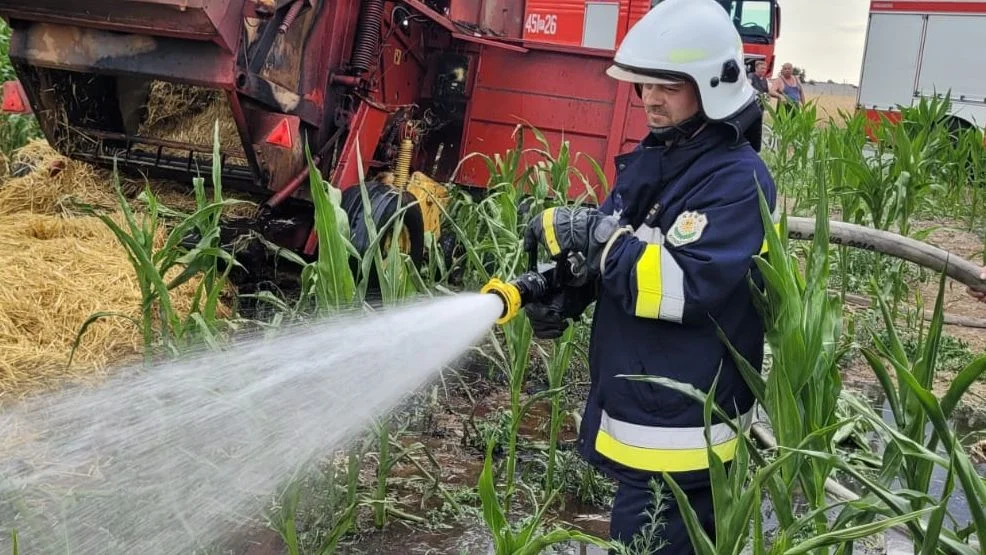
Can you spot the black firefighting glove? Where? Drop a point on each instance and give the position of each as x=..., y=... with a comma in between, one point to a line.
x=550, y=316
x=565, y=229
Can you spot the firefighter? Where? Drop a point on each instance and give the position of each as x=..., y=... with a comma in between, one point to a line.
x=671, y=255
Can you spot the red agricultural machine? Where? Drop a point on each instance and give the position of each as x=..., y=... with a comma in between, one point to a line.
x=411, y=85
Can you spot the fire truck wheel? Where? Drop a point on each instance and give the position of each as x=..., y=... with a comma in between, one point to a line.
x=385, y=201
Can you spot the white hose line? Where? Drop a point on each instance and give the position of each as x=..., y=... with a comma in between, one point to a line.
x=892, y=244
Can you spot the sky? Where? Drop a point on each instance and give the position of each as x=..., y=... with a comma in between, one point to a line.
x=823, y=36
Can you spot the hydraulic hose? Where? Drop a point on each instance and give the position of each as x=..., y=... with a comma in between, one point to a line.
x=368, y=35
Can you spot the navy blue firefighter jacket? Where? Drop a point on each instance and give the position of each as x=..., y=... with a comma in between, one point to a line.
x=695, y=211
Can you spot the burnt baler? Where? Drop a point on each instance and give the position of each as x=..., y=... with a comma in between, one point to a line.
x=281, y=74
x=399, y=85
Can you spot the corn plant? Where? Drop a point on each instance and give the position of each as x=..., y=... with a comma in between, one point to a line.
x=492, y=231
x=794, y=130
x=552, y=175
x=335, y=514
x=558, y=366
x=911, y=455
x=526, y=538
x=138, y=237
x=916, y=162
x=329, y=279
x=330, y=284
x=803, y=324
x=968, y=175
x=737, y=493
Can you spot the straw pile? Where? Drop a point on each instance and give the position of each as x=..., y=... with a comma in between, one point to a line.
x=56, y=270
x=50, y=181
x=187, y=114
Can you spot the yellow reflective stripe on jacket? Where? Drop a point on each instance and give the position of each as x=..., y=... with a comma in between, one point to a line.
x=548, y=224
x=661, y=460
x=659, y=449
x=660, y=285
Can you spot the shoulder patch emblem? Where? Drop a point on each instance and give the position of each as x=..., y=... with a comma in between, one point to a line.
x=687, y=228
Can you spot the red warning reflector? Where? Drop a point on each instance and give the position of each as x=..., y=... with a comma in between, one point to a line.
x=13, y=98
x=281, y=135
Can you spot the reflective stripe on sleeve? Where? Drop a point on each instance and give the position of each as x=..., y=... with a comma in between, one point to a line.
x=657, y=449
x=548, y=224
x=660, y=285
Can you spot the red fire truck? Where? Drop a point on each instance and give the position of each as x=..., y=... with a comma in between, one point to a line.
x=919, y=49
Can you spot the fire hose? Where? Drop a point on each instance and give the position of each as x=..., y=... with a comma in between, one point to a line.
x=536, y=283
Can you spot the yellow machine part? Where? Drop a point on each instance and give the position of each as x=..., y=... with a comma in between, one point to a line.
x=432, y=198
x=403, y=165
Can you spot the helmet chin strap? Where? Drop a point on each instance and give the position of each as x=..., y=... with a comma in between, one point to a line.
x=682, y=130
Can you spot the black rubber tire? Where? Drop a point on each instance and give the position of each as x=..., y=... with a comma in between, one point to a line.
x=384, y=201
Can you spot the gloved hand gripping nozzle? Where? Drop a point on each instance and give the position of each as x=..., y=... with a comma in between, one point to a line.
x=535, y=284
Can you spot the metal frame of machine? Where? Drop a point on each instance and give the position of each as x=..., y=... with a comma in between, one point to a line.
x=400, y=85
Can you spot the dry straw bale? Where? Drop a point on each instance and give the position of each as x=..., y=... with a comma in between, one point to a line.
x=56, y=270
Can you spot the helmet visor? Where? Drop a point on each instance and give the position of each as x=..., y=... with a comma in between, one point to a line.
x=621, y=74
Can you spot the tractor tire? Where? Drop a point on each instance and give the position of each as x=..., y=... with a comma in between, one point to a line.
x=384, y=203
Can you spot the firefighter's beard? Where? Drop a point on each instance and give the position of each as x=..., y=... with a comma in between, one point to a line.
x=682, y=130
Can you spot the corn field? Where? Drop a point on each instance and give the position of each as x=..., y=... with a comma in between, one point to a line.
x=868, y=409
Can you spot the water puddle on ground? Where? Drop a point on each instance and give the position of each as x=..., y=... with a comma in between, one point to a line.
x=968, y=427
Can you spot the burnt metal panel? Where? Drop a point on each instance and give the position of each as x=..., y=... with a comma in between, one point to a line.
x=207, y=20
x=104, y=52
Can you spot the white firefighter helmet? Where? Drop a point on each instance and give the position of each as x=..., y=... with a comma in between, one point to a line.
x=688, y=40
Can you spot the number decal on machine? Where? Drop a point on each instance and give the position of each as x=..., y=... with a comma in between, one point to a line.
x=538, y=24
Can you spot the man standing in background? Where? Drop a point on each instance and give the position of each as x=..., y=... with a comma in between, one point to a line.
x=790, y=84
x=761, y=83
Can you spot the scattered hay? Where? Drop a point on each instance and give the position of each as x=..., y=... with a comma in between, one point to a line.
x=60, y=271
x=49, y=181
x=182, y=199
x=977, y=452
x=187, y=114
x=169, y=102
x=58, y=268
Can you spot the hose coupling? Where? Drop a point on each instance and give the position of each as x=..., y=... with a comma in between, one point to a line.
x=524, y=289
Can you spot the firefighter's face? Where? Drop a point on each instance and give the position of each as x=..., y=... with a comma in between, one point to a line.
x=667, y=105
x=761, y=69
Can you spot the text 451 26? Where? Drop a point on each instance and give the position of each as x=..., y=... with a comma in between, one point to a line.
x=538, y=24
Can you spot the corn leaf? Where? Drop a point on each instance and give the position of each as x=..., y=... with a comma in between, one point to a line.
x=492, y=511
x=961, y=383
x=700, y=540
x=883, y=376
x=846, y=535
